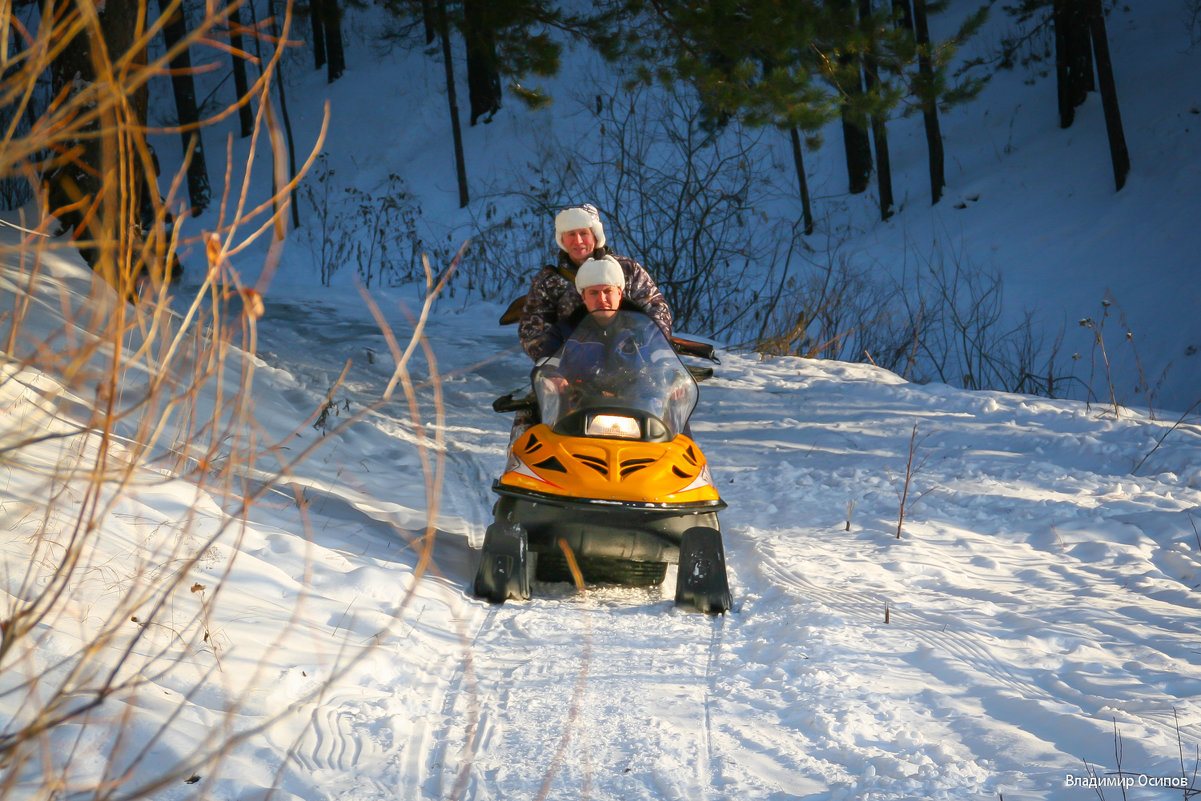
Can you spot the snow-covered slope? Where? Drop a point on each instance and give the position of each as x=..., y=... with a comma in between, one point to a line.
x=1025, y=201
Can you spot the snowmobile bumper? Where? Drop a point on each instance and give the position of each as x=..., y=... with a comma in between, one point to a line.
x=639, y=532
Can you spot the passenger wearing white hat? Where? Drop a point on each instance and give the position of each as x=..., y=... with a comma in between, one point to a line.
x=554, y=297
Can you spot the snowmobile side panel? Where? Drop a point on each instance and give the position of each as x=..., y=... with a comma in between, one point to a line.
x=502, y=572
x=702, y=581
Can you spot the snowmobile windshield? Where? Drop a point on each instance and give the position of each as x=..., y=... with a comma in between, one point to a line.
x=622, y=362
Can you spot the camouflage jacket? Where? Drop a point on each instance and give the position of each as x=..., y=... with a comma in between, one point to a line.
x=553, y=299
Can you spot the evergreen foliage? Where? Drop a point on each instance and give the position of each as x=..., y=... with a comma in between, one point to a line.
x=797, y=66
x=513, y=39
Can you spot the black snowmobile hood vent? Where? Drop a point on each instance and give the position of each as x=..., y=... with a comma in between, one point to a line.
x=595, y=462
x=551, y=464
x=629, y=466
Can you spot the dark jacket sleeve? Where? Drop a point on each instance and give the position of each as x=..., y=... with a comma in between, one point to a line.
x=642, y=290
x=550, y=301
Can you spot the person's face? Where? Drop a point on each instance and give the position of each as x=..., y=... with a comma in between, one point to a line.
x=603, y=300
x=579, y=244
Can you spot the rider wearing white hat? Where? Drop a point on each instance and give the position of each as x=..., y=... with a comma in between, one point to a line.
x=554, y=296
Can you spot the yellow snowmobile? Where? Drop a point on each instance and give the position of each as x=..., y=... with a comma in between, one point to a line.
x=609, y=483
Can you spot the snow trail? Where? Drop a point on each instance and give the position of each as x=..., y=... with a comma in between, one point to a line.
x=561, y=692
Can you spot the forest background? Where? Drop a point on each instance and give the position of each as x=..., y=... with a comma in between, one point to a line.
x=803, y=178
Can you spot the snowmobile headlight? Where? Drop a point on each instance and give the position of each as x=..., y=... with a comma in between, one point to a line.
x=613, y=425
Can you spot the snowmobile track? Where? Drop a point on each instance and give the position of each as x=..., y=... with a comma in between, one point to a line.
x=544, y=694
x=430, y=750
x=712, y=672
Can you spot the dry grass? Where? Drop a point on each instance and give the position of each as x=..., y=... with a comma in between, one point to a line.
x=107, y=393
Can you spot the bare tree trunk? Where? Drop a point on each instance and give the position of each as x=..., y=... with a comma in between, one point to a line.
x=452, y=99
x=317, y=22
x=331, y=17
x=483, y=80
x=1119, y=154
x=883, y=167
x=15, y=189
x=279, y=82
x=917, y=21
x=175, y=31
x=241, y=84
x=798, y=158
x=428, y=14
x=858, y=151
x=105, y=174
x=856, y=143
x=1073, y=57
x=871, y=76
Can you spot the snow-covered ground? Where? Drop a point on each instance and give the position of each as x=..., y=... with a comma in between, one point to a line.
x=1032, y=632
x=1039, y=604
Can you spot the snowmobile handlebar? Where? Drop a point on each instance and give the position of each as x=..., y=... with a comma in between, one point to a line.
x=508, y=403
x=690, y=347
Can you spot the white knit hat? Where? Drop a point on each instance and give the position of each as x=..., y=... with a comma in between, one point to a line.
x=605, y=271
x=573, y=218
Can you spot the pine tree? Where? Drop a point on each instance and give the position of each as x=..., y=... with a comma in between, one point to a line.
x=317, y=26
x=847, y=77
x=757, y=61
x=915, y=20
x=331, y=23
x=803, y=64
x=1073, y=57
x=448, y=64
x=874, y=87
x=483, y=73
x=931, y=85
x=504, y=40
x=1118, y=152
x=325, y=17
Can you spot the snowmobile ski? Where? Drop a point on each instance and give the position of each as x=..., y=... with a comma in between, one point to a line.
x=701, y=581
x=502, y=571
